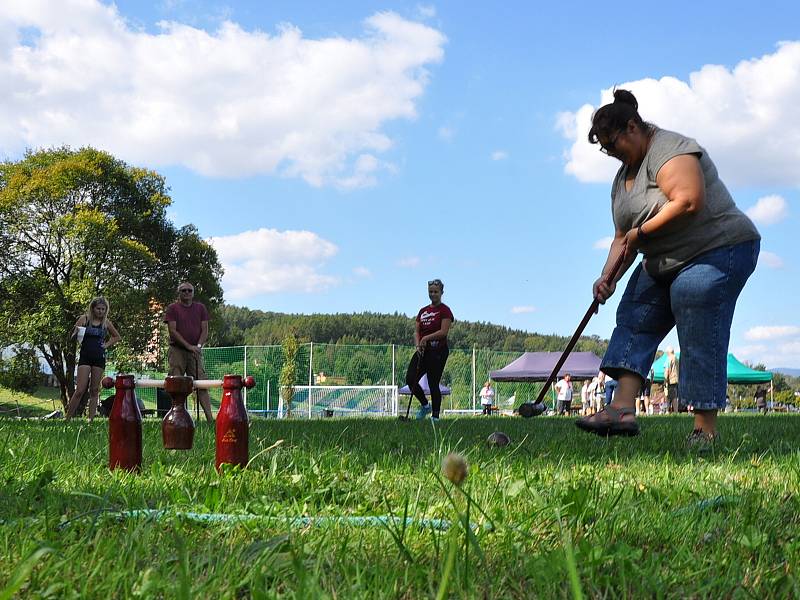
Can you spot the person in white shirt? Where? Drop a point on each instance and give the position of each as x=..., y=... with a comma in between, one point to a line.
x=585, y=402
x=600, y=392
x=591, y=393
x=487, y=398
x=564, y=391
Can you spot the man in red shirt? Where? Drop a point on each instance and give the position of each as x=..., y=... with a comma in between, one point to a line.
x=188, y=330
x=430, y=338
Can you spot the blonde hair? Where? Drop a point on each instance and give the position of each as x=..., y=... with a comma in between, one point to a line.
x=90, y=309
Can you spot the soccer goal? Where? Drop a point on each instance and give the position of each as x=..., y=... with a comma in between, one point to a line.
x=314, y=401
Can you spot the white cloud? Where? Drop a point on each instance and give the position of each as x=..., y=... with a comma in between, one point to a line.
x=792, y=348
x=784, y=354
x=603, y=243
x=362, y=272
x=770, y=259
x=499, y=155
x=267, y=261
x=769, y=210
x=519, y=310
x=446, y=133
x=748, y=352
x=426, y=11
x=408, y=262
x=229, y=102
x=771, y=332
x=747, y=117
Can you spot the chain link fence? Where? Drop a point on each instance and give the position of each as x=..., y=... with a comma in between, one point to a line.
x=361, y=365
x=328, y=366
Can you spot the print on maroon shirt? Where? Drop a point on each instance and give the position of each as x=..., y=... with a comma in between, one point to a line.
x=188, y=321
x=430, y=320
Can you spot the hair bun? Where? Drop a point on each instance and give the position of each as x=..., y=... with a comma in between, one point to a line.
x=625, y=97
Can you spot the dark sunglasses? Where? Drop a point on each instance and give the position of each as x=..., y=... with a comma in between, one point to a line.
x=186, y=290
x=611, y=147
x=436, y=282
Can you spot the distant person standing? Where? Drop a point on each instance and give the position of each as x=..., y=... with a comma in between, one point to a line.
x=591, y=391
x=487, y=398
x=611, y=388
x=599, y=392
x=645, y=394
x=91, y=330
x=586, y=403
x=187, y=321
x=671, y=378
x=760, y=398
x=564, y=391
x=430, y=338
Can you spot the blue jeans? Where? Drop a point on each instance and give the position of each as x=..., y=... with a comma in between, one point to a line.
x=699, y=300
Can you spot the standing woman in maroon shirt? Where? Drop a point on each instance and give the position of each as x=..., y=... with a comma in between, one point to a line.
x=430, y=338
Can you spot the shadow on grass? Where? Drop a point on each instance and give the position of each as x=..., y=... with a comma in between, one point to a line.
x=24, y=411
x=41, y=401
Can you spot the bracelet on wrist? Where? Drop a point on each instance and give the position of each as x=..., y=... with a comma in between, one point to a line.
x=641, y=234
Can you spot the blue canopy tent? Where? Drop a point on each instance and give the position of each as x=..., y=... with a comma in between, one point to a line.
x=406, y=391
x=537, y=366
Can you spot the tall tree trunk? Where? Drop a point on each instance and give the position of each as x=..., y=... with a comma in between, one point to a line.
x=56, y=359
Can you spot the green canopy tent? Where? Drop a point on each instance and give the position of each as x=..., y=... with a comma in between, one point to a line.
x=737, y=372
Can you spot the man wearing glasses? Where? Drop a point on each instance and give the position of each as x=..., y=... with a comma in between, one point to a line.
x=188, y=330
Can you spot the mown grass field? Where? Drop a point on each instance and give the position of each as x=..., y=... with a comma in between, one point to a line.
x=557, y=514
x=19, y=404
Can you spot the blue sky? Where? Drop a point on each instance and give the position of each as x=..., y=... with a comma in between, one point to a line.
x=339, y=155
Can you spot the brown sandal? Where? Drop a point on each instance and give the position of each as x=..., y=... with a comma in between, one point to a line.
x=613, y=425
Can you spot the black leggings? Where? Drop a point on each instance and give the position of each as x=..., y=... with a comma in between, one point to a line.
x=432, y=363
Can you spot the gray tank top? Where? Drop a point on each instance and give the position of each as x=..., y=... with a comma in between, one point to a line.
x=719, y=222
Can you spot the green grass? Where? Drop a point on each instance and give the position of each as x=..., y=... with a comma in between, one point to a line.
x=558, y=514
x=42, y=401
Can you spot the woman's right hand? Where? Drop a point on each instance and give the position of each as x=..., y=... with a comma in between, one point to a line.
x=602, y=290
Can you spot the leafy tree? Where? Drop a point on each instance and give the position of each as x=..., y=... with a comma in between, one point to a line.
x=359, y=369
x=79, y=223
x=779, y=382
x=20, y=372
x=242, y=326
x=288, y=371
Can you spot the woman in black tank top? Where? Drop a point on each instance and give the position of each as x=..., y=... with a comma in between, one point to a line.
x=91, y=330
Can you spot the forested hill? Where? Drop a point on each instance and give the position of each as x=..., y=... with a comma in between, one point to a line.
x=237, y=326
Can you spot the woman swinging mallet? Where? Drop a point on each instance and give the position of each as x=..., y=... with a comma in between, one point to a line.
x=430, y=338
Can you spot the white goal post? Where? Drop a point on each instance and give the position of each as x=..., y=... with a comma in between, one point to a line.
x=316, y=401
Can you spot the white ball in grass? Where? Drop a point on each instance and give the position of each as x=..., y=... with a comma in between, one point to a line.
x=455, y=468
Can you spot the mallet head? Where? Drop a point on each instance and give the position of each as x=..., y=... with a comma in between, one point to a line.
x=529, y=409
